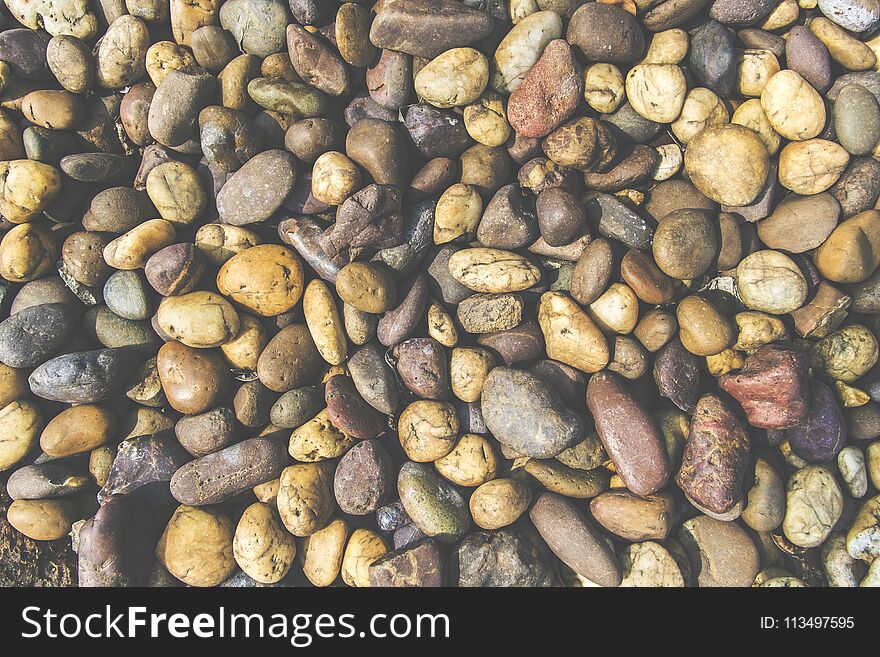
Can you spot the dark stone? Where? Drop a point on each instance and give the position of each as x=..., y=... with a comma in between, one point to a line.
x=436, y=133
x=392, y=517
x=509, y=220
x=349, y=412
x=713, y=58
x=441, y=282
x=84, y=377
x=45, y=481
x=368, y=218
x=426, y=28
x=374, y=379
x=144, y=464
x=525, y=413
x=677, y=375
x=116, y=546
x=416, y=239
x=517, y=345
x=606, y=33
x=25, y=52
x=822, y=432
x=364, y=478
x=616, y=221
x=503, y=559
x=423, y=368
x=740, y=12
x=35, y=334
x=296, y=407
x=399, y=323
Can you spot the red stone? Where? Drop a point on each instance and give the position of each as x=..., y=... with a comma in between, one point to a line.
x=771, y=387
x=549, y=94
x=714, y=458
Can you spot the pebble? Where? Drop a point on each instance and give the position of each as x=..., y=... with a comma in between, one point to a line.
x=635, y=446
x=35, y=334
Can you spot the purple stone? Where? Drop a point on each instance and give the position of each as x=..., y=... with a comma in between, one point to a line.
x=822, y=432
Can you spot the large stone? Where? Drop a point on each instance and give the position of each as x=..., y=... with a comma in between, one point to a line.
x=771, y=388
x=549, y=93
x=527, y=415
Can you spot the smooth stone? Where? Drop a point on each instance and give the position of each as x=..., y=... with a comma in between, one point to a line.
x=127, y=294
x=740, y=12
x=46, y=481
x=349, y=412
x=857, y=119
x=762, y=206
x=805, y=54
x=852, y=15
x=672, y=13
x=219, y=476
x=85, y=377
x=509, y=220
x=111, y=330
x=258, y=189
x=374, y=379
x=633, y=125
x=672, y=195
x=174, y=110
x=426, y=28
x=713, y=58
x=98, y=167
x=721, y=553
x=116, y=545
x=256, y=25
x=209, y=431
x=432, y=502
x=296, y=407
x=822, y=432
x=800, y=223
x=522, y=343
x=575, y=540
x=629, y=433
x=606, y=33
x=35, y=334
